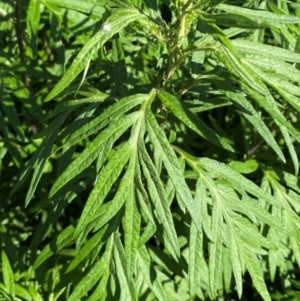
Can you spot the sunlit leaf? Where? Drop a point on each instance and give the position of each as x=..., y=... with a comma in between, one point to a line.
x=191, y=120
x=260, y=15
x=117, y=21
x=171, y=164
x=33, y=19
x=8, y=274
x=128, y=291
x=89, y=155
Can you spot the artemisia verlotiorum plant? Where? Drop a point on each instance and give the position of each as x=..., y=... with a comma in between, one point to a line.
x=173, y=141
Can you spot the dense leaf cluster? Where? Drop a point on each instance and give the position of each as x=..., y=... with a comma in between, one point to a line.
x=149, y=150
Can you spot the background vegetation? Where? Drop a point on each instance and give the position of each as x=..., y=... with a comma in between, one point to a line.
x=149, y=150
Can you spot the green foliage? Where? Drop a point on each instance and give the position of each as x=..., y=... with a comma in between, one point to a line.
x=149, y=150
